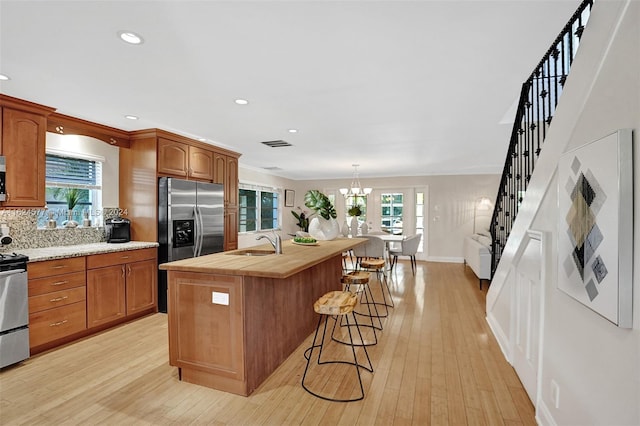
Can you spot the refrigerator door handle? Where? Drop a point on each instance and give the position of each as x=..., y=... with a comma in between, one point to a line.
x=196, y=242
x=200, y=234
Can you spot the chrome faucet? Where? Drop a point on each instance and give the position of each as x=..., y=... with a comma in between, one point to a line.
x=276, y=242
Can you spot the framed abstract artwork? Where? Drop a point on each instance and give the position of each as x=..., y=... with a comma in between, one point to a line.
x=595, y=226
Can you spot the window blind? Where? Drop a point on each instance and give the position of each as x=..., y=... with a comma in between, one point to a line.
x=73, y=172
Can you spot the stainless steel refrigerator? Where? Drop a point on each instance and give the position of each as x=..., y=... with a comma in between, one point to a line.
x=190, y=223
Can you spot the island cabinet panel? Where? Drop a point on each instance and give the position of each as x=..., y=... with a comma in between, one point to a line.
x=234, y=319
x=57, y=301
x=206, y=330
x=280, y=315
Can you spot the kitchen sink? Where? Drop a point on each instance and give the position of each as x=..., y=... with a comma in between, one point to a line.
x=251, y=252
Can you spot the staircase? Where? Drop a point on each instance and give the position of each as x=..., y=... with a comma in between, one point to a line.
x=539, y=97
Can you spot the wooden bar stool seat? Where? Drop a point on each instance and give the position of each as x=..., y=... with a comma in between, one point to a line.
x=358, y=282
x=377, y=265
x=334, y=305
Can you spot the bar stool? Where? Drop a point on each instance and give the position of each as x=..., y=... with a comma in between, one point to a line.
x=336, y=304
x=377, y=265
x=358, y=282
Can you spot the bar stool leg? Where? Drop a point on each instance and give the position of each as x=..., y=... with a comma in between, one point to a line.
x=390, y=304
x=370, y=315
x=309, y=352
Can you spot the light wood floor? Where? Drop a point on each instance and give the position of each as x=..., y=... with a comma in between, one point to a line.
x=436, y=363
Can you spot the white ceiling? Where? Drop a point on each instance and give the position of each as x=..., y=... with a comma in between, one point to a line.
x=403, y=88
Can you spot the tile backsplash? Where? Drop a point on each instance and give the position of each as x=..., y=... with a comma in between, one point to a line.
x=26, y=235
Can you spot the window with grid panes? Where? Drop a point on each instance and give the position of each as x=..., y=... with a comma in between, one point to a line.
x=75, y=178
x=258, y=210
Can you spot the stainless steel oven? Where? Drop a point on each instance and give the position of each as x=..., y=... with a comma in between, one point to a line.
x=14, y=309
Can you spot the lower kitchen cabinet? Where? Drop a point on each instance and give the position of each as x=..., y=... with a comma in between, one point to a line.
x=74, y=297
x=105, y=295
x=140, y=295
x=120, y=285
x=57, y=294
x=53, y=324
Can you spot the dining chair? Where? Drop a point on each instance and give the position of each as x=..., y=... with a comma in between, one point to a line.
x=408, y=247
x=370, y=257
x=373, y=248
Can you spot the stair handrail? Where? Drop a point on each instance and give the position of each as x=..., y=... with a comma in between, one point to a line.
x=514, y=182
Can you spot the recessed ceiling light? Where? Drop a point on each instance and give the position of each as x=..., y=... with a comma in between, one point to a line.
x=293, y=130
x=241, y=101
x=130, y=37
x=131, y=117
x=4, y=77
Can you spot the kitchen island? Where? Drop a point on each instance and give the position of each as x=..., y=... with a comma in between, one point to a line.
x=234, y=317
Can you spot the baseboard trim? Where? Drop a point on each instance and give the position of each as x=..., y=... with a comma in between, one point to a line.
x=445, y=259
x=501, y=337
x=543, y=415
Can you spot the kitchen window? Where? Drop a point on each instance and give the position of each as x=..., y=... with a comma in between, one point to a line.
x=259, y=209
x=72, y=182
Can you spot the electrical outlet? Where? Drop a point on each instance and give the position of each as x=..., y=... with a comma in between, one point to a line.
x=219, y=298
x=555, y=394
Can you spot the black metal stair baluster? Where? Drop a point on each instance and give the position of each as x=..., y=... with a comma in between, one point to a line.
x=539, y=97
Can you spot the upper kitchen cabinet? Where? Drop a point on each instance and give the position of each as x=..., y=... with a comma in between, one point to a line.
x=154, y=153
x=184, y=160
x=173, y=158
x=226, y=172
x=22, y=143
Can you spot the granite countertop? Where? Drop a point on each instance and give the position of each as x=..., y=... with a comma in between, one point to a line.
x=294, y=258
x=59, y=252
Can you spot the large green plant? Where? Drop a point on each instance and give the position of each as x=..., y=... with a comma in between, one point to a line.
x=320, y=204
x=71, y=195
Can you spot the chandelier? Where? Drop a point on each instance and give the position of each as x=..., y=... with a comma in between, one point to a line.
x=356, y=188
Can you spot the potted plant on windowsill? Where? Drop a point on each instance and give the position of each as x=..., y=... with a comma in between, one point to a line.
x=324, y=225
x=72, y=196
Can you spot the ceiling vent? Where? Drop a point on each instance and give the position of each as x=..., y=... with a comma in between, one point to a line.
x=276, y=144
x=272, y=168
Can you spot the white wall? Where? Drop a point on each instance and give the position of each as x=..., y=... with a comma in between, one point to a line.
x=450, y=204
x=595, y=364
x=255, y=177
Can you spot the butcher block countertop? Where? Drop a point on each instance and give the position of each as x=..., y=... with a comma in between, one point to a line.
x=294, y=258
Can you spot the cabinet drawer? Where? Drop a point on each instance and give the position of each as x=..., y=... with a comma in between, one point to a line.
x=56, y=299
x=120, y=257
x=40, y=286
x=53, y=324
x=47, y=268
